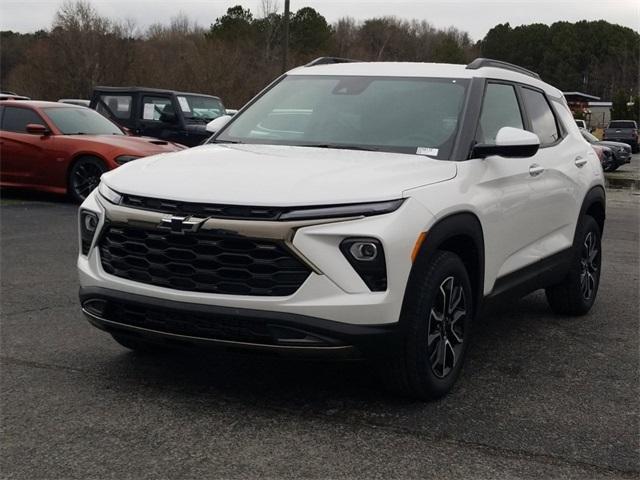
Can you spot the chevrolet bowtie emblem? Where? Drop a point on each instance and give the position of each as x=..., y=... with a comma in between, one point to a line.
x=182, y=224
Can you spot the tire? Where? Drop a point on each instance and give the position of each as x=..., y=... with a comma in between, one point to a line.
x=608, y=165
x=635, y=148
x=576, y=294
x=84, y=176
x=612, y=168
x=139, y=346
x=436, y=327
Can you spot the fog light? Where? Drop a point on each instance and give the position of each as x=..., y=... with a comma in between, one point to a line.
x=88, y=227
x=90, y=222
x=364, y=251
x=366, y=256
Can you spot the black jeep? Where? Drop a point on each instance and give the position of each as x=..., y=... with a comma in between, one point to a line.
x=175, y=116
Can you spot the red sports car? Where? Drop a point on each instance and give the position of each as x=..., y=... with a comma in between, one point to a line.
x=63, y=148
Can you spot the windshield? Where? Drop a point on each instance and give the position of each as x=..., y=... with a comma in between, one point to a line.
x=76, y=120
x=196, y=107
x=588, y=137
x=622, y=124
x=407, y=115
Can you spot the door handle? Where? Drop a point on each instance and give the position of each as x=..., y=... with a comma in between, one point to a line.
x=580, y=162
x=535, y=170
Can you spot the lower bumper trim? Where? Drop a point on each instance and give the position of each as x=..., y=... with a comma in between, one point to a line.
x=186, y=323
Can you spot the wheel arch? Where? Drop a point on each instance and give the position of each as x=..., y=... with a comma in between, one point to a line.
x=594, y=205
x=79, y=156
x=460, y=233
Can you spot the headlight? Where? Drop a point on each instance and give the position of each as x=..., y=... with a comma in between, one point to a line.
x=352, y=210
x=366, y=256
x=88, y=227
x=122, y=159
x=108, y=194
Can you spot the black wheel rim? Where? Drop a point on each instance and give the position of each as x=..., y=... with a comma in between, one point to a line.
x=445, y=334
x=589, y=266
x=86, y=178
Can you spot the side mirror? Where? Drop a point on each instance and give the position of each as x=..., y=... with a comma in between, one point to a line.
x=37, y=129
x=217, y=123
x=231, y=111
x=510, y=142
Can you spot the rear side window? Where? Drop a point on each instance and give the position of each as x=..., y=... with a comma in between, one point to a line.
x=622, y=124
x=16, y=119
x=543, y=122
x=118, y=106
x=499, y=109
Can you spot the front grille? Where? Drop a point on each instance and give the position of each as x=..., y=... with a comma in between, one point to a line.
x=232, y=326
x=191, y=324
x=186, y=209
x=205, y=261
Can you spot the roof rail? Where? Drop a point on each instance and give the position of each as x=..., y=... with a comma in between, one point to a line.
x=488, y=62
x=329, y=60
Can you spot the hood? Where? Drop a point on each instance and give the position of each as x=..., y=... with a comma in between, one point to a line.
x=274, y=175
x=142, y=146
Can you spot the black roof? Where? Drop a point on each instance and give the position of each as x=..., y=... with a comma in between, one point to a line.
x=150, y=90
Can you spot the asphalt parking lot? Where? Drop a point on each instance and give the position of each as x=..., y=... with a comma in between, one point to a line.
x=541, y=396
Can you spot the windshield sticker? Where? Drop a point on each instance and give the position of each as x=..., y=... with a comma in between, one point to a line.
x=184, y=105
x=432, y=152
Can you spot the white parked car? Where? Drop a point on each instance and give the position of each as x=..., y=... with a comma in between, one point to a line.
x=352, y=209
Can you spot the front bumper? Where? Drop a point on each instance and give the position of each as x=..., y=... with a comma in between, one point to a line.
x=622, y=157
x=188, y=324
x=333, y=291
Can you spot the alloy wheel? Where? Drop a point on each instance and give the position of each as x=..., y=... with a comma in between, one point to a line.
x=445, y=334
x=86, y=178
x=589, y=266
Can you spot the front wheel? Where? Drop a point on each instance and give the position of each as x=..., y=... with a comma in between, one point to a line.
x=84, y=177
x=436, y=330
x=576, y=294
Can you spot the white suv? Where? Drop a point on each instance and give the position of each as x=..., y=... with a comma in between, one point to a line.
x=352, y=209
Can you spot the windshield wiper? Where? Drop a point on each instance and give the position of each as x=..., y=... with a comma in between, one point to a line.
x=340, y=146
x=225, y=141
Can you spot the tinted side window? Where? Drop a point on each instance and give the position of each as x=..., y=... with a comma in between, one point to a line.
x=499, y=109
x=120, y=106
x=16, y=119
x=543, y=122
x=157, y=108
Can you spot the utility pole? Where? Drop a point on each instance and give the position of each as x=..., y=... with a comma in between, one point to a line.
x=285, y=37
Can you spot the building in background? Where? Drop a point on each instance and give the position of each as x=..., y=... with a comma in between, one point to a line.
x=590, y=108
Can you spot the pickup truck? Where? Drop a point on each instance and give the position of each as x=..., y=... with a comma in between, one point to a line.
x=179, y=117
x=625, y=131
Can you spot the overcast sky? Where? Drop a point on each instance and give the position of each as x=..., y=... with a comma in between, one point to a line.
x=473, y=16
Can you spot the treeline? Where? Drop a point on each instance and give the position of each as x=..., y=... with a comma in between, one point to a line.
x=592, y=57
x=241, y=52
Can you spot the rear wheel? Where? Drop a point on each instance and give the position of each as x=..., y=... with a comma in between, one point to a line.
x=84, y=177
x=608, y=163
x=437, y=328
x=576, y=294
